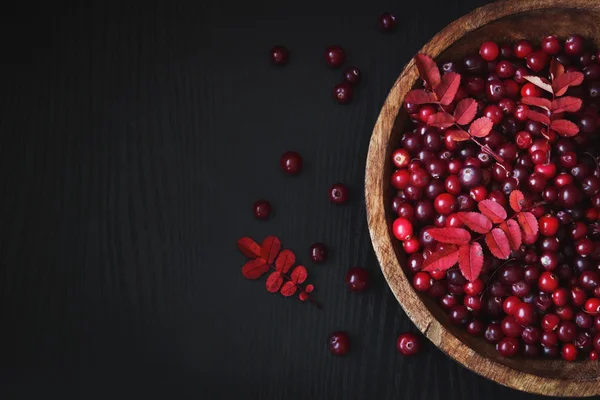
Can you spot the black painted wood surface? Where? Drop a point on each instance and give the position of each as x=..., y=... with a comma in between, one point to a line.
x=135, y=139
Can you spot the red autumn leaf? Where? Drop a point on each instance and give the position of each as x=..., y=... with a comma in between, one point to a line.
x=481, y=127
x=269, y=248
x=441, y=260
x=562, y=83
x=309, y=288
x=492, y=210
x=513, y=232
x=564, y=127
x=458, y=135
x=556, y=69
x=254, y=269
x=539, y=117
x=536, y=101
x=465, y=111
x=497, y=242
x=528, y=223
x=420, y=96
x=288, y=289
x=299, y=274
x=450, y=235
x=446, y=90
x=440, y=120
x=285, y=260
x=475, y=221
x=537, y=81
x=566, y=104
x=428, y=70
x=303, y=296
x=274, y=282
x=516, y=200
x=249, y=247
x=470, y=260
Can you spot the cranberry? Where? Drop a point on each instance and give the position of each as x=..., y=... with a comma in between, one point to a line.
x=335, y=56
x=589, y=279
x=569, y=352
x=511, y=327
x=568, y=195
x=424, y=210
x=357, y=279
x=475, y=327
x=489, y=51
x=524, y=314
x=411, y=245
x=459, y=315
x=474, y=288
x=551, y=45
x=343, y=93
x=338, y=193
x=470, y=177
x=560, y=297
x=536, y=61
x=494, y=113
x=421, y=281
x=402, y=229
x=592, y=306
x=506, y=51
x=352, y=76
x=445, y=204
x=387, y=22
x=522, y=48
x=494, y=90
x=408, y=344
x=318, y=253
x=565, y=313
x=548, y=282
x=473, y=64
x=574, y=45
x=505, y=69
x=548, y=225
x=549, y=339
x=596, y=342
x=594, y=355
x=567, y=331
x=279, y=55
x=531, y=350
x=493, y=333
x=508, y=347
x=291, y=162
x=584, y=247
x=262, y=209
x=339, y=343
x=511, y=90
x=550, y=352
x=531, y=335
x=583, y=320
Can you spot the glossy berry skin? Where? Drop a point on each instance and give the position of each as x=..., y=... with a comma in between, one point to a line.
x=279, y=55
x=574, y=45
x=529, y=89
x=522, y=48
x=343, y=92
x=402, y=229
x=262, y=209
x=445, y=204
x=291, y=162
x=408, y=344
x=387, y=22
x=352, y=76
x=525, y=314
x=508, y=347
x=411, y=245
x=357, y=279
x=592, y=306
x=421, y=282
x=536, y=61
x=548, y=282
x=560, y=297
x=593, y=355
x=510, y=305
x=569, y=352
x=318, y=253
x=548, y=225
x=339, y=343
x=489, y=51
x=338, y=193
x=551, y=45
x=335, y=56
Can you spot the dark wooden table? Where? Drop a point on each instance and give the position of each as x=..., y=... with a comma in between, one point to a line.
x=135, y=139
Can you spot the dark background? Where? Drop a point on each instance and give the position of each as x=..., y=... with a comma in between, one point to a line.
x=134, y=140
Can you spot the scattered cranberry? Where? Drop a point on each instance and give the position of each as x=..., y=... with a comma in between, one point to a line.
x=318, y=253
x=279, y=55
x=262, y=209
x=343, y=92
x=335, y=56
x=357, y=279
x=339, y=343
x=408, y=344
x=352, y=76
x=338, y=193
x=387, y=22
x=291, y=162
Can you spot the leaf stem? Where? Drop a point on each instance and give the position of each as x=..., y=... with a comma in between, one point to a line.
x=298, y=285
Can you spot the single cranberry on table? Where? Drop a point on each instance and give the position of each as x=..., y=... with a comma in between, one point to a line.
x=343, y=92
x=318, y=253
x=262, y=209
x=387, y=22
x=352, y=76
x=338, y=193
x=335, y=56
x=408, y=344
x=291, y=162
x=357, y=279
x=339, y=343
x=279, y=55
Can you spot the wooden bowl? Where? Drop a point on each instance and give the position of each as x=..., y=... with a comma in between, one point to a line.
x=502, y=22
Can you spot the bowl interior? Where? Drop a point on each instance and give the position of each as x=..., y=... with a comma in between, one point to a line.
x=532, y=25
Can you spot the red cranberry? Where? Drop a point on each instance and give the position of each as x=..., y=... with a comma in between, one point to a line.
x=401, y=179
x=475, y=327
x=352, y=76
x=505, y=69
x=291, y=162
x=531, y=335
x=596, y=342
x=408, y=344
x=548, y=225
x=584, y=247
x=402, y=229
x=583, y=320
x=318, y=253
x=279, y=55
x=343, y=93
x=524, y=314
x=335, y=56
x=569, y=352
x=339, y=343
x=459, y=315
x=511, y=327
x=489, y=51
x=473, y=64
x=445, y=204
x=565, y=313
x=411, y=245
x=357, y=279
x=522, y=48
x=262, y=209
x=594, y=355
x=470, y=177
x=589, y=280
x=421, y=281
x=550, y=352
x=508, y=347
x=536, y=61
x=560, y=297
x=548, y=282
x=474, y=288
x=387, y=22
x=551, y=45
x=531, y=350
x=574, y=45
x=549, y=339
x=338, y=193
x=494, y=90
x=493, y=333
x=529, y=89
x=567, y=331
x=592, y=306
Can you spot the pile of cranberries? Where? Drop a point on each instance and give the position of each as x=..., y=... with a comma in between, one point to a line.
x=545, y=299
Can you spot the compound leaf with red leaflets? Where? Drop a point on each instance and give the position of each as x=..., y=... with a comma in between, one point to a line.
x=566, y=104
x=299, y=274
x=420, y=96
x=465, y=111
x=564, y=127
x=249, y=247
x=428, y=70
x=270, y=248
x=441, y=260
x=450, y=235
x=446, y=90
x=475, y=221
x=536, y=101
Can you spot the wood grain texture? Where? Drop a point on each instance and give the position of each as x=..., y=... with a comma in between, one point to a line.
x=501, y=21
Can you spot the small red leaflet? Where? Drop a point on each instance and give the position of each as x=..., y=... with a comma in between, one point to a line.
x=284, y=261
x=475, y=221
x=566, y=104
x=440, y=120
x=556, y=69
x=450, y=235
x=428, y=70
x=249, y=247
x=516, y=200
x=561, y=84
x=274, y=282
x=513, y=232
x=492, y=210
x=458, y=135
x=465, y=111
x=254, y=269
x=497, y=242
x=299, y=274
x=446, y=90
x=536, y=101
x=564, y=127
x=270, y=248
x=539, y=117
x=470, y=260
x=420, y=96
x=481, y=127
x=528, y=223
x=441, y=260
